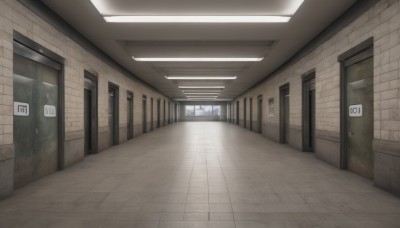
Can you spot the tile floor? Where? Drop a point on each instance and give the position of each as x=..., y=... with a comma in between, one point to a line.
x=201, y=175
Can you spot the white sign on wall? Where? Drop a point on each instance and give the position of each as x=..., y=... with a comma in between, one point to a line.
x=356, y=110
x=21, y=109
x=50, y=111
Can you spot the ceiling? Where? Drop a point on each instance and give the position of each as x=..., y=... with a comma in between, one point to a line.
x=274, y=42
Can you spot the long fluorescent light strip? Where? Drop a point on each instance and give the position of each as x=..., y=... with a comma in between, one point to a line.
x=201, y=78
x=197, y=59
x=201, y=87
x=201, y=93
x=201, y=96
x=197, y=19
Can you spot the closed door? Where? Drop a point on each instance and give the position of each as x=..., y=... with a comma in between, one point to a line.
x=88, y=120
x=144, y=114
x=244, y=113
x=36, y=119
x=309, y=114
x=259, y=115
x=151, y=114
x=251, y=114
x=111, y=116
x=158, y=114
x=237, y=113
x=284, y=114
x=130, y=115
x=359, y=99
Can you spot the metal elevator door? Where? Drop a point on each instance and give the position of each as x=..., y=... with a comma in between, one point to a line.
x=359, y=78
x=111, y=116
x=36, y=113
x=284, y=114
x=129, y=101
x=88, y=120
x=309, y=114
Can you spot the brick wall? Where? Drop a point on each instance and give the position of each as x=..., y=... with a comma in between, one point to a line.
x=382, y=22
x=15, y=17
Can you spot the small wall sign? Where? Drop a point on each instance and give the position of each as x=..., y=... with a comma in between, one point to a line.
x=356, y=110
x=50, y=111
x=21, y=109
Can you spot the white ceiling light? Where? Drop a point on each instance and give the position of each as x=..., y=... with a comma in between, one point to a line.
x=202, y=93
x=202, y=96
x=201, y=87
x=197, y=59
x=201, y=78
x=197, y=19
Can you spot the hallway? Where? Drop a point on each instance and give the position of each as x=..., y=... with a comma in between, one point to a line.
x=208, y=174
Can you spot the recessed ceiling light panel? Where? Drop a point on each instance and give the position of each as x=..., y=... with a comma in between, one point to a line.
x=197, y=19
x=201, y=87
x=201, y=77
x=197, y=59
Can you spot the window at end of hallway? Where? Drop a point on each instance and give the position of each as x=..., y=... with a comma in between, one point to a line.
x=202, y=110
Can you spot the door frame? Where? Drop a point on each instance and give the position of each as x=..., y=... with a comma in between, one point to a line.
x=357, y=54
x=95, y=136
x=245, y=112
x=25, y=47
x=115, y=87
x=310, y=75
x=282, y=130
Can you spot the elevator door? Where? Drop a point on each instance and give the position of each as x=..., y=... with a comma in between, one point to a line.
x=111, y=116
x=158, y=114
x=144, y=114
x=284, y=114
x=359, y=80
x=129, y=101
x=259, y=116
x=36, y=113
x=151, y=114
x=237, y=113
x=309, y=114
x=251, y=114
x=88, y=120
x=244, y=113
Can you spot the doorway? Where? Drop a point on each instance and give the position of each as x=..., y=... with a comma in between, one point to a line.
x=144, y=114
x=151, y=114
x=237, y=113
x=169, y=112
x=38, y=113
x=357, y=110
x=164, y=113
x=284, y=114
x=129, y=101
x=90, y=113
x=158, y=114
x=176, y=113
x=244, y=112
x=308, y=123
x=251, y=114
x=259, y=113
x=113, y=114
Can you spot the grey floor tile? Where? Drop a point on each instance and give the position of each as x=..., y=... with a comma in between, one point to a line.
x=216, y=175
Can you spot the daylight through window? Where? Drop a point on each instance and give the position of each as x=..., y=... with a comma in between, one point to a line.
x=202, y=110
